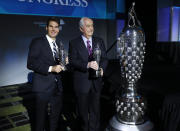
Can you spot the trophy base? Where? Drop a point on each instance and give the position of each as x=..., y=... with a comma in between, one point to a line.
x=98, y=73
x=115, y=125
x=94, y=74
x=65, y=68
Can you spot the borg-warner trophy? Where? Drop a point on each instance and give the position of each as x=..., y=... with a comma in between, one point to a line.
x=97, y=58
x=130, y=106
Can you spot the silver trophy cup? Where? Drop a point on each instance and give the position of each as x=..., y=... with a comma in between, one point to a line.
x=130, y=106
x=97, y=58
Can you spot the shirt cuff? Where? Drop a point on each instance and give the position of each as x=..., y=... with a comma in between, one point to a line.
x=88, y=65
x=50, y=69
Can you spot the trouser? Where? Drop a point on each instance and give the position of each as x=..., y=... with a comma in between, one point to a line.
x=42, y=100
x=89, y=110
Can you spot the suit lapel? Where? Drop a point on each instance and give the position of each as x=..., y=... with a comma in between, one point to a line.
x=82, y=46
x=58, y=44
x=93, y=43
x=48, y=49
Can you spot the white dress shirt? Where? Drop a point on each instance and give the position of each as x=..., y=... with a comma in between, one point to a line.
x=50, y=40
x=85, y=40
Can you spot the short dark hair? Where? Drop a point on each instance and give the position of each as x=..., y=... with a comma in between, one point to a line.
x=55, y=19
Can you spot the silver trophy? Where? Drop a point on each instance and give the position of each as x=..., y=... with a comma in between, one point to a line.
x=62, y=56
x=97, y=58
x=130, y=106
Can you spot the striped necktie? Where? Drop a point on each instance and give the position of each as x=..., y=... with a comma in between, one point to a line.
x=89, y=48
x=55, y=50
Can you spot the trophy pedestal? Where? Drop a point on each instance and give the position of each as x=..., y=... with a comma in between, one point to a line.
x=64, y=68
x=94, y=74
x=98, y=73
x=115, y=125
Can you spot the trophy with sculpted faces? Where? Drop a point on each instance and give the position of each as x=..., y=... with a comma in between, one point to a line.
x=97, y=58
x=131, y=106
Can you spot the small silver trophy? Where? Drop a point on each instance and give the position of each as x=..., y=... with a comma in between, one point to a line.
x=131, y=106
x=97, y=58
x=62, y=56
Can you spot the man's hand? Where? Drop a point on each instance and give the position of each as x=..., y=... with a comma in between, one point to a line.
x=93, y=65
x=57, y=68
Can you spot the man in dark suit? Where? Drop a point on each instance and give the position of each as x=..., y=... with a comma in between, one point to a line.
x=87, y=88
x=47, y=76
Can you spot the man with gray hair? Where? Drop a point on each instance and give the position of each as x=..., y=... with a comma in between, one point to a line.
x=87, y=88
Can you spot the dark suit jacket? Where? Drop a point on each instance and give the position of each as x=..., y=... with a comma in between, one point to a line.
x=40, y=57
x=78, y=59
